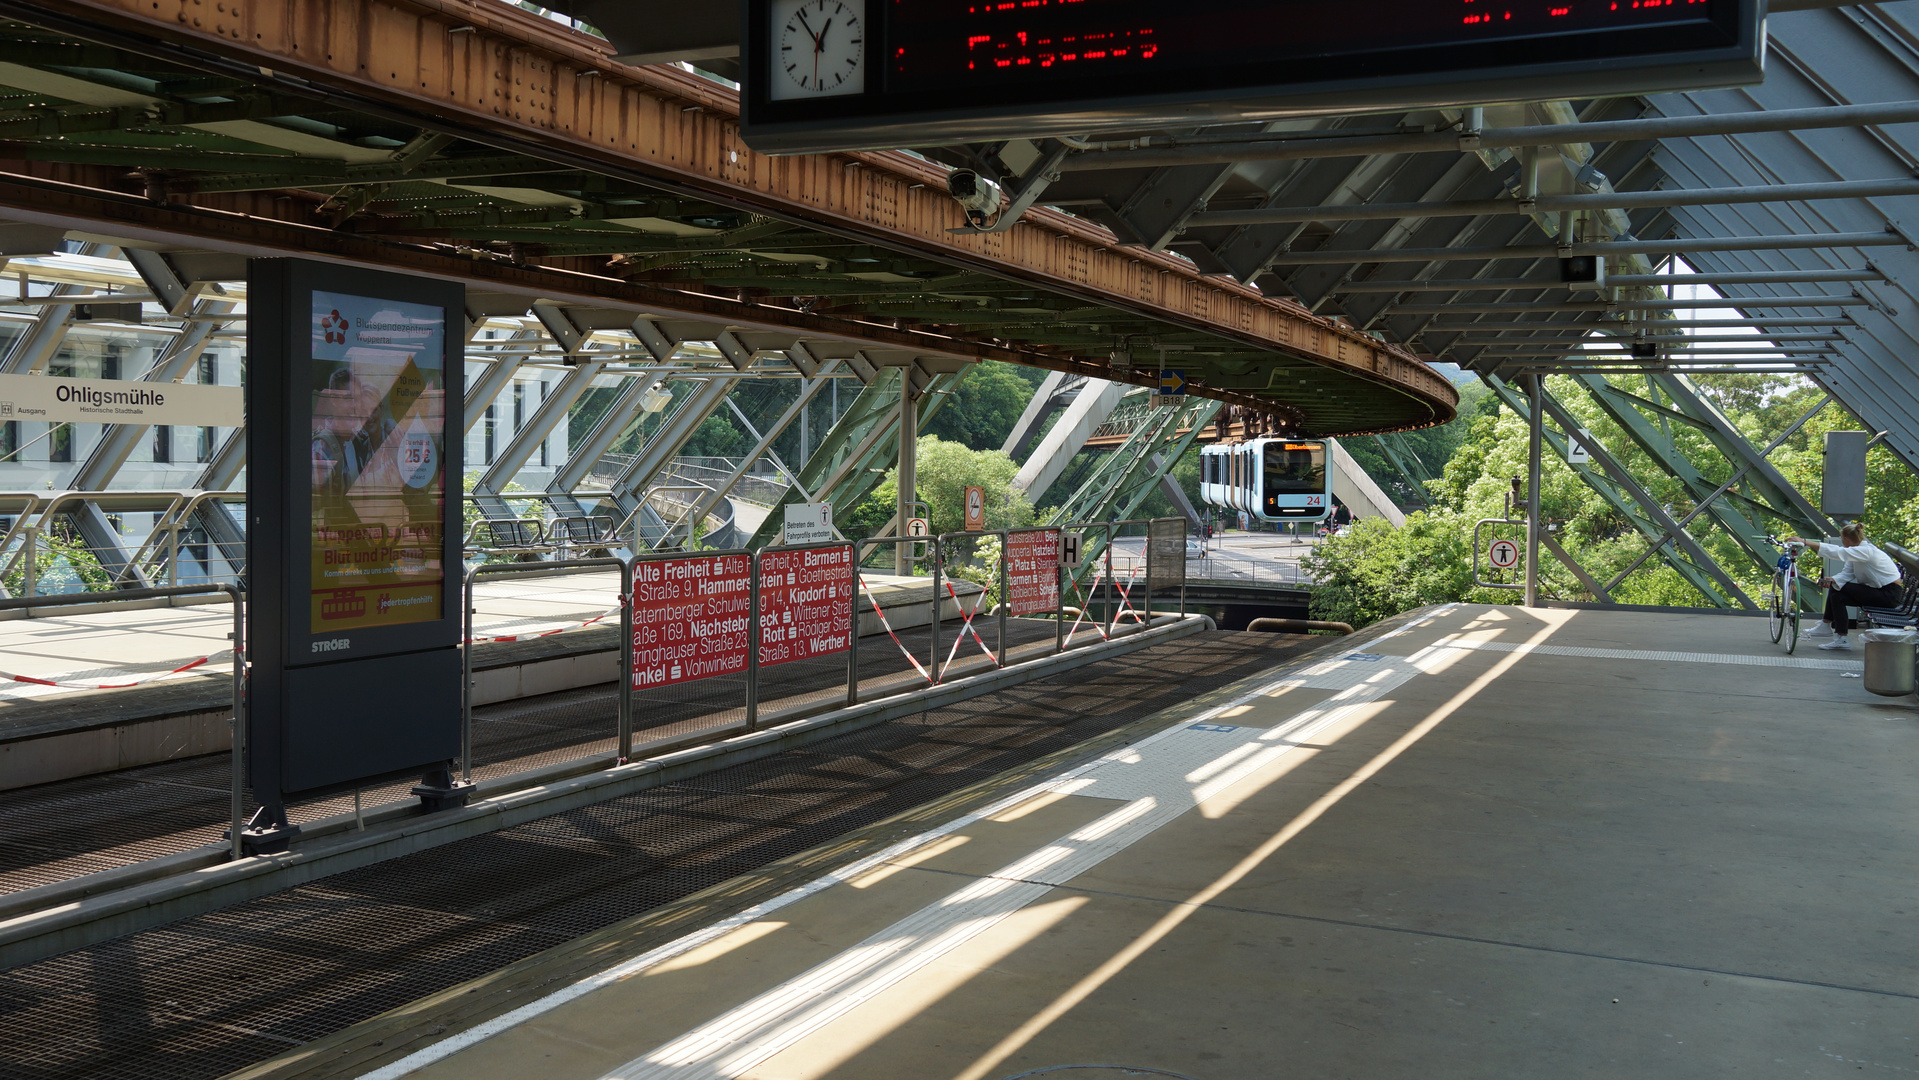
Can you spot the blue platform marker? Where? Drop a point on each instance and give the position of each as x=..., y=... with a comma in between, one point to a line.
x=1212, y=727
x=1364, y=656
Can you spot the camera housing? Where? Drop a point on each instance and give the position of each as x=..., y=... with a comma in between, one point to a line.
x=977, y=195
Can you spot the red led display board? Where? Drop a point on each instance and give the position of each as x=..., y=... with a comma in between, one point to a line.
x=1032, y=572
x=806, y=602
x=847, y=74
x=691, y=618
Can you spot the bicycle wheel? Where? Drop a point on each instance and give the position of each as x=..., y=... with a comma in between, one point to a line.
x=1792, y=614
x=1775, y=608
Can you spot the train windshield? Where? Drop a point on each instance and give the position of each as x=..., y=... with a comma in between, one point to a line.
x=1295, y=468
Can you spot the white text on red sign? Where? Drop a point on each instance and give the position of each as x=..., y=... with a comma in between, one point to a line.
x=691, y=618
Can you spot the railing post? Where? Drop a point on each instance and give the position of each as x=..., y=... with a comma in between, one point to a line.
x=753, y=641
x=853, y=633
x=33, y=561
x=1060, y=597
x=466, y=673
x=937, y=557
x=625, y=735
x=1005, y=599
x=239, y=741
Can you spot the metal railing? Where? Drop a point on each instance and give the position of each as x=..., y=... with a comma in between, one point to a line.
x=467, y=610
x=237, y=756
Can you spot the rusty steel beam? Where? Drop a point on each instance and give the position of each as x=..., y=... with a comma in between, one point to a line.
x=53, y=202
x=524, y=84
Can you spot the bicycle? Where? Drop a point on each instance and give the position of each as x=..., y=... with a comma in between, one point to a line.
x=1782, y=600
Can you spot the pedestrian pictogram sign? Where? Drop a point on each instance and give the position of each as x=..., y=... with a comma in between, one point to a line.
x=975, y=509
x=916, y=527
x=1504, y=554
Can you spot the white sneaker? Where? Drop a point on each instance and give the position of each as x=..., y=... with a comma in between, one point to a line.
x=1819, y=630
x=1837, y=644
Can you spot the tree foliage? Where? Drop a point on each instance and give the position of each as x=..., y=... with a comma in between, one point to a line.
x=987, y=404
x=1377, y=570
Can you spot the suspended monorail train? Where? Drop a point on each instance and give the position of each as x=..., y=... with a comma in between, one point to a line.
x=1270, y=479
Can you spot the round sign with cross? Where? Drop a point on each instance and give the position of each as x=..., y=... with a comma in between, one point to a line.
x=1504, y=554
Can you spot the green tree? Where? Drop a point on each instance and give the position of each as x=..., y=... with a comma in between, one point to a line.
x=987, y=404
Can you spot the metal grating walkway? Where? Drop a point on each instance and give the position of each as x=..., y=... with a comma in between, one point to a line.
x=214, y=993
x=55, y=832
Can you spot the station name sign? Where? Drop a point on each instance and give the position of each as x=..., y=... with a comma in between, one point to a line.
x=116, y=401
x=826, y=75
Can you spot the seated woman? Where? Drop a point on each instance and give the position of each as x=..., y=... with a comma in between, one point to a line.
x=1866, y=577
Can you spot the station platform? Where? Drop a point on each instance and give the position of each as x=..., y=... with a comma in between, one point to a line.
x=1479, y=841
x=87, y=691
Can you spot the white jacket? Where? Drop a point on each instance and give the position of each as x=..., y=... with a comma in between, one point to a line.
x=1863, y=563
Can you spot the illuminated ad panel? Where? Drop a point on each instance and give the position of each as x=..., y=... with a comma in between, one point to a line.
x=378, y=392
x=692, y=617
x=806, y=602
x=855, y=74
x=1032, y=572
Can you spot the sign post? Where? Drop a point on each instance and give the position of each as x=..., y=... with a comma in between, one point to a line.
x=354, y=410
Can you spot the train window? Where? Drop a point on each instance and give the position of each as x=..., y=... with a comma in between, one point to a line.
x=1295, y=468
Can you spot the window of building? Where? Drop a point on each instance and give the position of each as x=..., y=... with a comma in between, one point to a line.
x=162, y=444
x=209, y=369
x=543, y=442
x=519, y=406
x=486, y=432
x=9, y=439
x=204, y=453
x=60, y=444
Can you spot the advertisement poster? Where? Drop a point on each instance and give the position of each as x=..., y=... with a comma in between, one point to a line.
x=691, y=618
x=805, y=597
x=379, y=414
x=1032, y=572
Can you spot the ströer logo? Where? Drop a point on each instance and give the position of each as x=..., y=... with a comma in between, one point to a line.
x=338, y=644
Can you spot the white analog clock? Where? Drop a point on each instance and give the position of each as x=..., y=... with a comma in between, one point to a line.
x=819, y=48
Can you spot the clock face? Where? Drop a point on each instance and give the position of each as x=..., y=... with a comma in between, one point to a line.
x=819, y=48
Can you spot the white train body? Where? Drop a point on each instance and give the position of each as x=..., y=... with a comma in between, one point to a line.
x=1271, y=479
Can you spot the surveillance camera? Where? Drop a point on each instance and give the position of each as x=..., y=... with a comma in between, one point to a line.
x=978, y=195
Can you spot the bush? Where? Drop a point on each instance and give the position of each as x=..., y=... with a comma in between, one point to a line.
x=1373, y=571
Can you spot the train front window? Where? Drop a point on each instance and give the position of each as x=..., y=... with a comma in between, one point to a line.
x=1295, y=469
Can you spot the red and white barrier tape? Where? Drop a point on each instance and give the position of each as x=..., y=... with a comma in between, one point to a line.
x=881, y=612
x=531, y=635
x=966, y=626
x=155, y=677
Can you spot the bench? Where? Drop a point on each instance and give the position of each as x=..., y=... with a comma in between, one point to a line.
x=1906, y=612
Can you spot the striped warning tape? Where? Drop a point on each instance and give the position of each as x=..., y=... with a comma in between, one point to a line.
x=155, y=677
x=881, y=612
x=532, y=634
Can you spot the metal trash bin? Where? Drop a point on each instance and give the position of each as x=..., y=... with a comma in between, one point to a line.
x=1890, y=658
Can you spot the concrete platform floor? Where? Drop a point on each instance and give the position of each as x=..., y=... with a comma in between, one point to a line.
x=1496, y=843
x=139, y=642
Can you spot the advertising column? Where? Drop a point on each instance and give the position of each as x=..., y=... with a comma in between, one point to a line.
x=354, y=384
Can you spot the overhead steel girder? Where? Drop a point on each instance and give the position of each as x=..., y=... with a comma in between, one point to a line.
x=1658, y=445
x=1616, y=487
x=674, y=131
x=852, y=457
x=1050, y=393
x=550, y=414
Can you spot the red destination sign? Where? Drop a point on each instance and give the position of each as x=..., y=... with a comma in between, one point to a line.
x=805, y=597
x=691, y=618
x=1032, y=572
